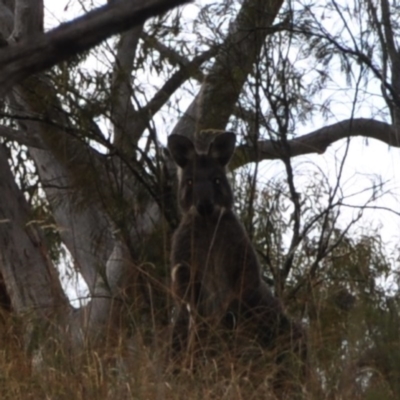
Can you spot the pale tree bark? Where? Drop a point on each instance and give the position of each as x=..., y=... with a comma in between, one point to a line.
x=105, y=317
x=68, y=171
x=83, y=224
x=40, y=294
x=74, y=178
x=82, y=230
x=32, y=281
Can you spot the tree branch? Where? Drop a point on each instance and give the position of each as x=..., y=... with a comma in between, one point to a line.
x=131, y=123
x=317, y=141
x=43, y=51
x=144, y=115
x=174, y=58
x=123, y=113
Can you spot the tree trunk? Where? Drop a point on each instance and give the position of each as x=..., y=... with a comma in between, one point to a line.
x=30, y=277
x=220, y=91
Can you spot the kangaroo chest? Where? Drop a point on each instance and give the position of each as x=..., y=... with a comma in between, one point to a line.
x=216, y=253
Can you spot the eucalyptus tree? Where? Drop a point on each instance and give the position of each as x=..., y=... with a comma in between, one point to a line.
x=83, y=169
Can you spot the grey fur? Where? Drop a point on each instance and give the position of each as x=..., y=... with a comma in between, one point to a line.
x=215, y=271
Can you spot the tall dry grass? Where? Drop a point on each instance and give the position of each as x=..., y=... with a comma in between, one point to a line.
x=138, y=368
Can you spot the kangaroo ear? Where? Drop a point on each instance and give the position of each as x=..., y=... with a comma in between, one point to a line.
x=222, y=147
x=181, y=148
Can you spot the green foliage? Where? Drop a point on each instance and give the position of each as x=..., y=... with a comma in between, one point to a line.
x=337, y=287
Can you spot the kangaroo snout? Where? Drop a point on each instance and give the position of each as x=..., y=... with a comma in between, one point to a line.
x=205, y=208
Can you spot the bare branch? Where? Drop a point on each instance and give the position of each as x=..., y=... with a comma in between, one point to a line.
x=174, y=58
x=144, y=115
x=317, y=141
x=32, y=56
x=296, y=237
x=131, y=123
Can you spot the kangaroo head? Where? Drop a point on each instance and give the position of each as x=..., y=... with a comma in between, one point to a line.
x=203, y=185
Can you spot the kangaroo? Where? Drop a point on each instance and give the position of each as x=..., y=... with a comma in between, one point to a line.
x=216, y=276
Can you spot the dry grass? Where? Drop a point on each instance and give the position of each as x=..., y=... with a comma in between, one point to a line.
x=130, y=370
x=137, y=370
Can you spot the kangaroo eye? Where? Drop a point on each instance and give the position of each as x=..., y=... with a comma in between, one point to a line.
x=217, y=181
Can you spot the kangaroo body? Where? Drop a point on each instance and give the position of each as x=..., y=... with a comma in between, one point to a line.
x=224, y=269
x=216, y=276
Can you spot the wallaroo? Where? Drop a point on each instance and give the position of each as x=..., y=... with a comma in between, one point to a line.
x=216, y=276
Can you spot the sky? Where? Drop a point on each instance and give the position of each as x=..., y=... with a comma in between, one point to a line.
x=366, y=159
